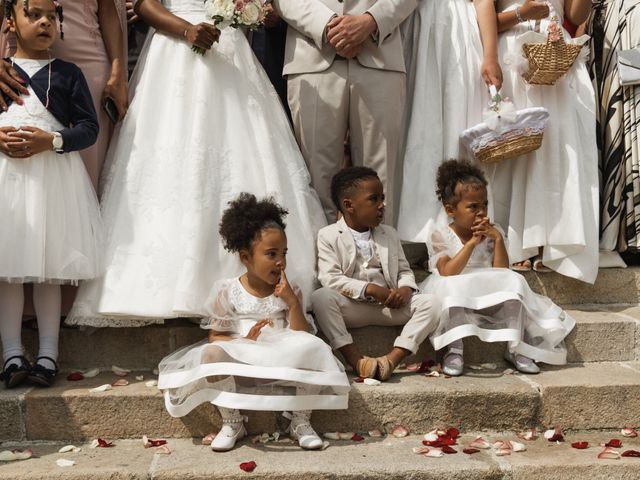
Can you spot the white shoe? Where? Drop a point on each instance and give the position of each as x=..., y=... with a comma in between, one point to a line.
x=301, y=430
x=523, y=364
x=228, y=435
x=453, y=363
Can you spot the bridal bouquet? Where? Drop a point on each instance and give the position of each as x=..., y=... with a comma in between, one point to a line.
x=234, y=13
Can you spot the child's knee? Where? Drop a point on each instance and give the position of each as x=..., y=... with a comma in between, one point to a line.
x=324, y=297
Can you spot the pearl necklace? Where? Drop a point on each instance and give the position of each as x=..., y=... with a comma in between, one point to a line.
x=46, y=103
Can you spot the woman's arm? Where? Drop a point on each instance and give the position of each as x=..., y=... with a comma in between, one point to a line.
x=488, y=25
x=577, y=11
x=113, y=38
x=153, y=12
x=529, y=10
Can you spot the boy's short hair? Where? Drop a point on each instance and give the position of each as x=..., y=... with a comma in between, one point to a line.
x=346, y=181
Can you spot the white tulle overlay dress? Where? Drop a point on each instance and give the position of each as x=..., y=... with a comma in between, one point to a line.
x=51, y=228
x=199, y=130
x=445, y=96
x=494, y=304
x=549, y=198
x=282, y=370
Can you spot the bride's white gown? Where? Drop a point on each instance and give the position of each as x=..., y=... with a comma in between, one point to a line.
x=199, y=130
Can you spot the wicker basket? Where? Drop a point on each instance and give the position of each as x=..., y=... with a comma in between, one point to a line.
x=550, y=60
x=510, y=145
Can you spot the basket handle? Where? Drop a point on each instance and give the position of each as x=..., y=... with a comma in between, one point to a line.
x=551, y=16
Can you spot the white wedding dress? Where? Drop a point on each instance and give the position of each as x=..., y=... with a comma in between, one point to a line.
x=199, y=130
x=549, y=198
x=445, y=96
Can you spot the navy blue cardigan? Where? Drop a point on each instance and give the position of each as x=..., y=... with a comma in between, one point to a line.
x=70, y=102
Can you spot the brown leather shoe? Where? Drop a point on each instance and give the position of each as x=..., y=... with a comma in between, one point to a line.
x=385, y=368
x=366, y=367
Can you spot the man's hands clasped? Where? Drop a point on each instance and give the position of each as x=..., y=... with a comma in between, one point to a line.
x=390, y=297
x=347, y=33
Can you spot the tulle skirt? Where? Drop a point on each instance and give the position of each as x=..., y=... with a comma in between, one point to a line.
x=497, y=305
x=282, y=370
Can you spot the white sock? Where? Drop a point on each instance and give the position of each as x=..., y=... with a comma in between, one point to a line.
x=47, y=301
x=11, y=306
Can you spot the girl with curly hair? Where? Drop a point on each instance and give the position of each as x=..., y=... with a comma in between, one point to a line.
x=479, y=294
x=259, y=354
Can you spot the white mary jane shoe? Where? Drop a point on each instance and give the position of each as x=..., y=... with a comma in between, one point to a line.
x=228, y=435
x=302, y=431
x=523, y=364
x=453, y=362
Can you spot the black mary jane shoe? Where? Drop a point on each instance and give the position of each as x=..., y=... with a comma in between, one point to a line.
x=13, y=375
x=41, y=375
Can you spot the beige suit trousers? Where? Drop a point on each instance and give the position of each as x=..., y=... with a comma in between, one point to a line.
x=348, y=96
x=335, y=313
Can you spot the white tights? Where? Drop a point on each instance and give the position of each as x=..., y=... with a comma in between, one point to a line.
x=47, y=302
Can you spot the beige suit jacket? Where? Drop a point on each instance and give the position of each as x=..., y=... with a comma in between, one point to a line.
x=307, y=51
x=337, y=259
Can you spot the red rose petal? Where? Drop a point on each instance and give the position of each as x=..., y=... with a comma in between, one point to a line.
x=613, y=443
x=580, y=445
x=358, y=379
x=448, y=449
x=104, y=444
x=453, y=432
x=158, y=442
x=631, y=453
x=248, y=466
x=75, y=376
x=357, y=438
x=470, y=451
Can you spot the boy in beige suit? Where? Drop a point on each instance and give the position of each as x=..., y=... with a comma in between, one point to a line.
x=366, y=279
x=345, y=70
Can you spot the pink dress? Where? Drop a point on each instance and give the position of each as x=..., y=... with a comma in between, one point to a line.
x=83, y=45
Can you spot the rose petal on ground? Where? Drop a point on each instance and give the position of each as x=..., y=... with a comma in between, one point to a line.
x=13, y=455
x=70, y=448
x=630, y=453
x=376, y=433
x=357, y=438
x=580, y=445
x=75, y=376
x=63, y=462
x=332, y=435
x=453, y=432
x=613, y=443
x=139, y=377
x=7, y=456
x=609, y=453
x=208, y=438
x=412, y=367
x=503, y=452
x=554, y=435
x=502, y=445
x=91, y=373
x=432, y=374
x=121, y=372
x=470, y=451
x=121, y=382
x=629, y=432
x=529, y=435
x=399, y=431
x=449, y=450
x=101, y=388
x=248, y=466
x=518, y=447
x=151, y=383
x=94, y=444
x=163, y=449
x=434, y=452
x=372, y=382
x=421, y=450
x=346, y=435
x=104, y=444
x=508, y=371
x=481, y=443
x=275, y=436
x=489, y=366
x=358, y=380
x=430, y=437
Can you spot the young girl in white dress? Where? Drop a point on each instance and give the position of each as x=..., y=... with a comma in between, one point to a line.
x=548, y=199
x=259, y=354
x=200, y=129
x=479, y=294
x=447, y=76
x=51, y=230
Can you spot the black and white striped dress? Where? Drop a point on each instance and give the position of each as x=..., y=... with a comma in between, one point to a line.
x=615, y=25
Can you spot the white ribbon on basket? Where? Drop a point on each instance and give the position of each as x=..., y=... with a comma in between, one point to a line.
x=503, y=111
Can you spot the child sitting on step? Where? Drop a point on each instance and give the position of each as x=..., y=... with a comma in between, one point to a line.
x=366, y=278
x=480, y=296
x=259, y=354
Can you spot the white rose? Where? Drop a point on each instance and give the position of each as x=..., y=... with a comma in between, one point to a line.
x=220, y=8
x=250, y=14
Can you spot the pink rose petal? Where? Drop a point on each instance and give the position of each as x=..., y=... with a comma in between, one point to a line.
x=376, y=433
x=163, y=449
x=554, y=435
x=529, y=435
x=629, y=432
x=208, y=438
x=481, y=443
x=121, y=382
x=421, y=450
x=434, y=453
x=399, y=431
x=609, y=453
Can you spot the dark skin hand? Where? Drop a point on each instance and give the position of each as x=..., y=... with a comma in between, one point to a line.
x=11, y=84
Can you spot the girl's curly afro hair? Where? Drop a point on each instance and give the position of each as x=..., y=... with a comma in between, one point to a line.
x=246, y=217
x=454, y=172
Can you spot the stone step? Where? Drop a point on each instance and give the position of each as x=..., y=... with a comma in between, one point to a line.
x=584, y=396
x=603, y=333
x=372, y=459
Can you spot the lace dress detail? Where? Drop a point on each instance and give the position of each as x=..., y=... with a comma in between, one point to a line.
x=494, y=304
x=264, y=374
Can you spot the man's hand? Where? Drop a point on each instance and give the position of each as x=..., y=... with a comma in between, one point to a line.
x=202, y=35
x=398, y=297
x=131, y=15
x=380, y=294
x=347, y=32
x=271, y=17
x=30, y=141
x=11, y=84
